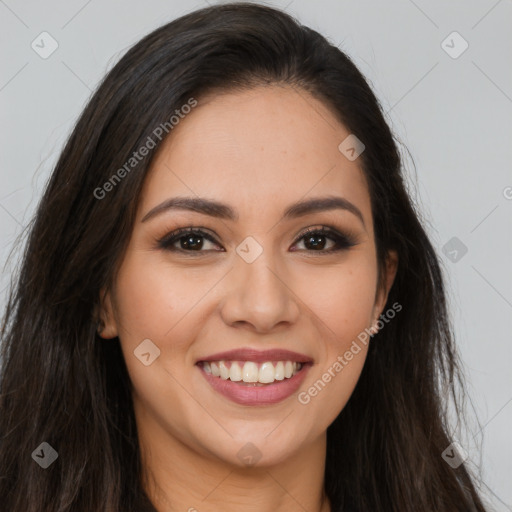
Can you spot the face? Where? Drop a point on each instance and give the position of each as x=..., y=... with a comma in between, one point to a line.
x=273, y=284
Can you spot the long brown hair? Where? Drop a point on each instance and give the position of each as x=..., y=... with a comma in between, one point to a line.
x=61, y=384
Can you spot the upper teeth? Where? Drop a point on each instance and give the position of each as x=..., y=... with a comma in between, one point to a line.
x=249, y=371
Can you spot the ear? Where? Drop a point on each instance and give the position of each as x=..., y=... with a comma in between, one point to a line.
x=107, y=327
x=386, y=282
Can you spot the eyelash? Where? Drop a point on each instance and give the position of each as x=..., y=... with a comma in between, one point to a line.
x=342, y=241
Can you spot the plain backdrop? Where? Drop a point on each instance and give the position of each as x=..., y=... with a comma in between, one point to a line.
x=442, y=73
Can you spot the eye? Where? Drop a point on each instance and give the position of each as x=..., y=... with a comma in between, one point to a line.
x=314, y=240
x=189, y=239
x=192, y=239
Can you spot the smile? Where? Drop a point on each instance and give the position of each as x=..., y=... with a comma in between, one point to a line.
x=251, y=377
x=250, y=372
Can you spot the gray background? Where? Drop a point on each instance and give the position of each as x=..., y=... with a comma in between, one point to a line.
x=454, y=115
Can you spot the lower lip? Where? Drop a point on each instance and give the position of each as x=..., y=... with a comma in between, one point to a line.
x=257, y=395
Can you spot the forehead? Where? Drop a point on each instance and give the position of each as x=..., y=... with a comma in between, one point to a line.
x=265, y=147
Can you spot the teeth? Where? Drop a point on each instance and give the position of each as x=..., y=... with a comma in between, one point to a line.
x=224, y=370
x=267, y=373
x=279, y=372
x=215, y=369
x=251, y=372
x=288, y=369
x=235, y=372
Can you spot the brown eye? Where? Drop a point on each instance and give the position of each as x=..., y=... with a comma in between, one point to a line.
x=316, y=239
x=186, y=240
x=321, y=240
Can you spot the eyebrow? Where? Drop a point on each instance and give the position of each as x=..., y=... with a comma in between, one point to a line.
x=224, y=211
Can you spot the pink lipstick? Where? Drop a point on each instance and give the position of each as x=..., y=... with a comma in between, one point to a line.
x=252, y=377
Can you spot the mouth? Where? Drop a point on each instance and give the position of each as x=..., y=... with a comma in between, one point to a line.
x=251, y=373
x=250, y=377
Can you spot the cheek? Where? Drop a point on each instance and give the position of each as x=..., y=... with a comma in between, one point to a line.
x=342, y=304
x=153, y=299
x=329, y=392
x=165, y=305
x=341, y=298
x=154, y=303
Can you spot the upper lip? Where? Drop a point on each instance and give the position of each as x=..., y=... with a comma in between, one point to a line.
x=258, y=356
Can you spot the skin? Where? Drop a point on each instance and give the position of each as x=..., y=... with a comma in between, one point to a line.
x=258, y=151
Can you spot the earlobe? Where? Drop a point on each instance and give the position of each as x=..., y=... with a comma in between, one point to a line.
x=107, y=328
x=391, y=270
x=386, y=284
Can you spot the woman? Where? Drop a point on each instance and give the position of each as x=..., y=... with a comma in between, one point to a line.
x=227, y=300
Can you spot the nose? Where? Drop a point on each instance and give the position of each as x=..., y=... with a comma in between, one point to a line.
x=259, y=295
